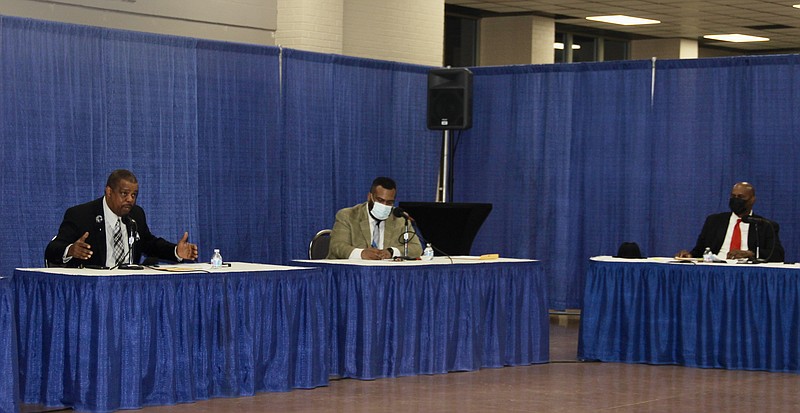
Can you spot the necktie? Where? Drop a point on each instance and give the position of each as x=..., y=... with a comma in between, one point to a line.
x=119, y=250
x=376, y=235
x=736, y=239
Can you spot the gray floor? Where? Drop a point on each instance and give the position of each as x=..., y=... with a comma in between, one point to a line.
x=564, y=385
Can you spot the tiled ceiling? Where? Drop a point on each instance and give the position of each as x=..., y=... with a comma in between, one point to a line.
x=689, y=19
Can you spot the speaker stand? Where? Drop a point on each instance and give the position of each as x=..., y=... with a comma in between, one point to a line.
x=443, y=190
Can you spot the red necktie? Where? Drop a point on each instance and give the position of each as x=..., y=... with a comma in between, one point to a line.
x=736, y=239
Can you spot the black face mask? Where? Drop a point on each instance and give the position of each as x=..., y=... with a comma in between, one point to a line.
x=738, y=206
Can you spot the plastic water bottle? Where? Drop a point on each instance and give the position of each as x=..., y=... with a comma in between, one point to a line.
x=708, y=256
x=428, y=253
x=216, y=259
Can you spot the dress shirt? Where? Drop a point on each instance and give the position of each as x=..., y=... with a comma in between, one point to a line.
x=356, y=254
x=726, y=245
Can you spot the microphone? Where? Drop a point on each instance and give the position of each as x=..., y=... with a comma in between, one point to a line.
x=401, y=213
x=749, y=219
x=134, y=228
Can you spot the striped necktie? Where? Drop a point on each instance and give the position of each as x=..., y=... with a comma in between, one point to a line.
x=119, y=249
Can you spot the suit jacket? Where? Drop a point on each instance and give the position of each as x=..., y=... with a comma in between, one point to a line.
x=351, y=230
x=88, y=217
x=760, y=235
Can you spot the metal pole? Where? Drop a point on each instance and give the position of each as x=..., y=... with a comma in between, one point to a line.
x=444, y=168
x=406, y=240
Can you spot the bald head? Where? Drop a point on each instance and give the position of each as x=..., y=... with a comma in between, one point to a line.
x=745, y=187
x=745, y=195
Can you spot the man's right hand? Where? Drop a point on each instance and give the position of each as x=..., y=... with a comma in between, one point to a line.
x=80, y=249
x=374, y=254
x=683, y=254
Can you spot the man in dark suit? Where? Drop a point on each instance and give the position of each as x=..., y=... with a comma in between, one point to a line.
x=755, y=234
x=82, y=240
x=369, y=230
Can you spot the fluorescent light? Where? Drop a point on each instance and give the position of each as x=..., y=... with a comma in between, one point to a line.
x=796, y=6
x=560, y=46
x=622, y=20
x=736, y=38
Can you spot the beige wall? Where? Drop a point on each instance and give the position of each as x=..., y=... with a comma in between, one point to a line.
x=245, y=21
x=312, y=25
x=543, y=34
x=516, y=40
x=410, y=31
x=709, y=52
x=663, y=49
x=505, y=41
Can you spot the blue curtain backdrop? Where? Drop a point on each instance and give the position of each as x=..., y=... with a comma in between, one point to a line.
x=563, y=154
x=717, y=122
x=239, y=159
x=253, y=149
x=78, y=102
x=346, y=121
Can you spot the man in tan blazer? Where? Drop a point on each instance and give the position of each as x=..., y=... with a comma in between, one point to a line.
x=369, y=230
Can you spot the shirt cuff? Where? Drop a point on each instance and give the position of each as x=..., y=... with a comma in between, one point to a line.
x=176, y=255
x=65, y=258
x=356, y=254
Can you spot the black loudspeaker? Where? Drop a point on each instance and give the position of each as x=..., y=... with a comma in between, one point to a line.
x=449, y=98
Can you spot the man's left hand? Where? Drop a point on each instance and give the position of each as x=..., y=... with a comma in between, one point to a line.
x=186, y=250
x=738, y=254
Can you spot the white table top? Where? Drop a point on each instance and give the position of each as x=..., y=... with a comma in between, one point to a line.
x=166, y=269
x=689, y=261
x=461, y=259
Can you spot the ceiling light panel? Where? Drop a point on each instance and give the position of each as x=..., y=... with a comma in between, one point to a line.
x=623, y=20
x=736, y=38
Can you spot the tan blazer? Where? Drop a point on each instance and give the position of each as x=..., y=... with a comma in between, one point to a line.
x=351, y=230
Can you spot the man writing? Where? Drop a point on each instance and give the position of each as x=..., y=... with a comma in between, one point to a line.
x=729, y=234
x=110, y=230
x=369, y=230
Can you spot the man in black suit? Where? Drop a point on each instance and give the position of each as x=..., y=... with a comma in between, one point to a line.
x=82, y=240
x=720, y=232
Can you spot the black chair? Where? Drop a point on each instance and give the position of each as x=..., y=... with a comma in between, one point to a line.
x=48, y=264
x=318, y=248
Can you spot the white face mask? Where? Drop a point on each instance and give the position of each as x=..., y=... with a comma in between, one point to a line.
x=380, y=211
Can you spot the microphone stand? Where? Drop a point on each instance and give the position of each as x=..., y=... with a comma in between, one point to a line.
x=405, y=241
x=758, y=247
x=755, y=222
x=398, y=212
x=405, y=244
x=133, y=236
x=130, y=248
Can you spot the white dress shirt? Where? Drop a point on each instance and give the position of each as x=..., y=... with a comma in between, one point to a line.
x=726, y=245
x=356, y=253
